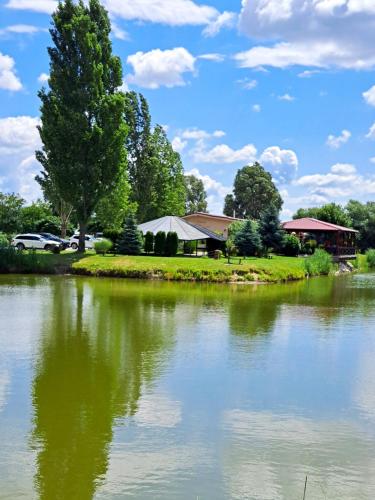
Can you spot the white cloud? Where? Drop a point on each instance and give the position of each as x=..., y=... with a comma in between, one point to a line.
x=369, y=96
x=25, y=29
x=256, y=108
x=282, y=163
x=198, y=134
x=44, y=6
x=178, y=144
x=118, y=32
x=19, y=139
x=371, y=132
x=212, y=57
x=339, y=174
x=247, y=83
x=308, y=73
x=372, y=160
x=335, y=142
x=222, y=153
x=216, y=191
x=8, y=78
x=315, y=33
x=159, y=68
x=224, y=20
x=286, y=97
x=43, y=78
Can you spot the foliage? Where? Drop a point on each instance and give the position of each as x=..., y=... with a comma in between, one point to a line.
x=171, y=244
x=196, y=196
x=253, y=190
x=11, y=213
x=190, y=247
x=131, y=241
x=111, y=210
x=309, y=247
x=247, y=240
x=103, y=246
x=155, y=170
x=114, y=236
x=160, y=242
x=319, y=263
x=331, y=212
x=32, y=215
x=270, y=229
x=230, y=248
x=4, y=242
x=291, y=245
x=370, y=258
x=362, y=216
x=149, y=242
x=230, y=206
x=83, y=130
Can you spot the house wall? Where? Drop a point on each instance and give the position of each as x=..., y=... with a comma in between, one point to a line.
x=214, y=224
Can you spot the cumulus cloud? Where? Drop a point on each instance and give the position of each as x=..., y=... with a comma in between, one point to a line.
x=369, y=96
x=335, y=142
x=44, y=6
x=286, y=97
x=8, y=78
x=212, y=57
x=224, y=20
x=23, y=29
x=247, y=83
x=371, y=132
x=178, y=144
x=215, y=190
x=222, y=153
x=282, y=163
x=19, y=139
x=316, y=33
x=43, y=78
x=159, y=68
x=198, y=134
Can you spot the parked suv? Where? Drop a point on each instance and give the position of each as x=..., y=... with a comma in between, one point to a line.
x=48, y=236
x=36, y=241
x=89, y=241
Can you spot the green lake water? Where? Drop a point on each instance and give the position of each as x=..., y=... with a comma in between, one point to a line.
x=115, y=389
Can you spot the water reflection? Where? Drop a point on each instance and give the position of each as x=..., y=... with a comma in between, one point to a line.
x=96, y=353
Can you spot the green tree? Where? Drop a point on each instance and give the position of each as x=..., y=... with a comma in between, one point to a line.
x=34, y=214
x=303, y=213
x=196, y=196
x=253, y=191
x=291, y=245
x=247, y=240
x=229, y=206
x=160, y=240
x=171, y=244
x=11, y=213
x=362, y=216
x=149, y=242
x=331, y=212
x=83, y=130
x=51, y=194
x=111, y=210
x=131, y=241
x=270, y=229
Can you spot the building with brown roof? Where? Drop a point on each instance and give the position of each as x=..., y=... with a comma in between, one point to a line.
x=214, y=223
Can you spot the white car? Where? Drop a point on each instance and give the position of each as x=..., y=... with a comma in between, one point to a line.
x=34, y=241
x=89, y=241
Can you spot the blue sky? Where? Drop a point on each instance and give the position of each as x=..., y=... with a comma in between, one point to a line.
x=290, y=83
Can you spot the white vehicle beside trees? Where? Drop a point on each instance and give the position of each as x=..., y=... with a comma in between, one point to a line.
x=36, y=242
x=89, y=241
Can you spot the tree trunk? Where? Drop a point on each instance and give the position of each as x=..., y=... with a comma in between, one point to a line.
x=82, y=236
x=64, y=224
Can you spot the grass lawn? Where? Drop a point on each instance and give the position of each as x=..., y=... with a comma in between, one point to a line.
x=190, y=268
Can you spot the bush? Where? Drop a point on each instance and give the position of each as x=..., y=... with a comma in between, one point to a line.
x=370, y=258
x=291, y=245
x=171, y=244
x=319, y=263
x=4, y=242
x=103, y=246
x=149, y=242
x=190, y=247
x=160, y=240
x=309, y=247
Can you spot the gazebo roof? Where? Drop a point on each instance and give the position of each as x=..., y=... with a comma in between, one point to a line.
x=184, y=230
x=309, y=224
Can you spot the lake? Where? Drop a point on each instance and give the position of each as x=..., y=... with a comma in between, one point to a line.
x=114, y=389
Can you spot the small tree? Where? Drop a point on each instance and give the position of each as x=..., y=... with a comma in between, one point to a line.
x=171, y=244
x=131, y=241
x=291, y=245
x=160, y=240
x=270, y=229
x=247, y=240
x=149, y=242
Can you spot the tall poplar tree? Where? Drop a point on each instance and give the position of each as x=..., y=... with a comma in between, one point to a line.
x=82, y=126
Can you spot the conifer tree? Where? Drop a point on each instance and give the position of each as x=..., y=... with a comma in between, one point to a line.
x=149, y=242
x=247, y=240
x=270, y=229
x=160, y=240
x=131, y=241
x=171, y=244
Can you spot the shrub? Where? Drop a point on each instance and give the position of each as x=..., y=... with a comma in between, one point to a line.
x=171, y=244
x=149, y=242
x=190, y=247
x=131, y=241
x=370, y=258
x=4, y=242
x=318, y=263
x=160, y=240
x=291, y=245
x=103, y=246
x=309, y=247
x=114, y=236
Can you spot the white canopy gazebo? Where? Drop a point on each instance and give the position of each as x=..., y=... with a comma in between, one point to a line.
x=184, y=230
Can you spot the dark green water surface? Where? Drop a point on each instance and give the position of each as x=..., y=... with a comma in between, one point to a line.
x=115, y=389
